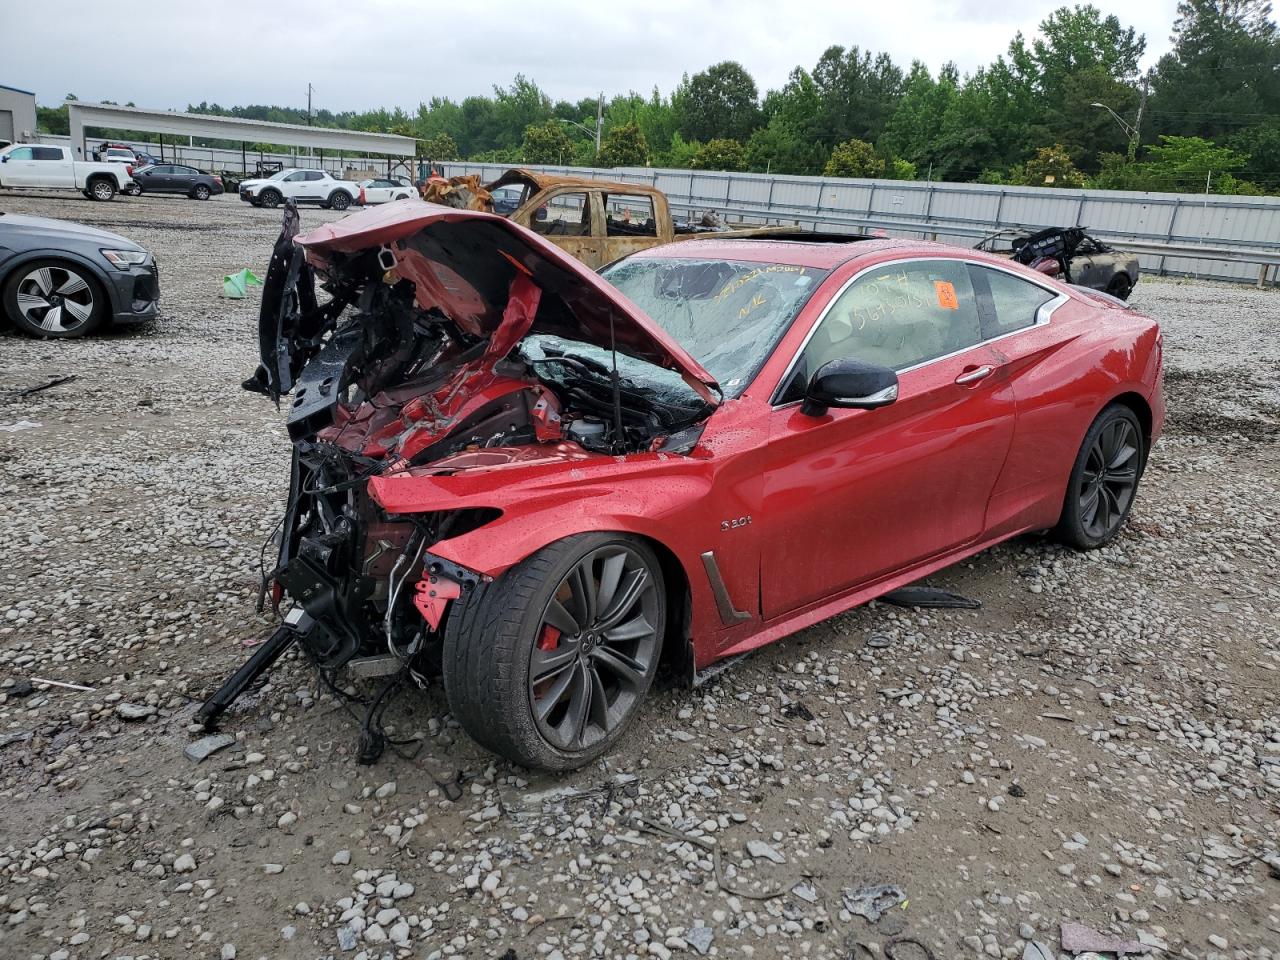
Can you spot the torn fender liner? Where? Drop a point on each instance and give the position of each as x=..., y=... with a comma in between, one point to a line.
x=471, y=258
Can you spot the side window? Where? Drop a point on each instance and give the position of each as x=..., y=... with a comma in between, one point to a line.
x=295, y=177
x=629, y=215
x=314, y=175
x=164, y=170
x=1007, y=303
x=186, y=171
x=21, y=153
x=46, y=153
x=568, y=215
x=897, y=316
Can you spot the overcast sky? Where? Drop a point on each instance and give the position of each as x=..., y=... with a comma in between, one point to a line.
x=399, y=53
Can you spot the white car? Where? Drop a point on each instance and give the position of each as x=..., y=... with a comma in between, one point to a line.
x=301, y=186
x=44, y=166
x=118, y=155
x=386, y=189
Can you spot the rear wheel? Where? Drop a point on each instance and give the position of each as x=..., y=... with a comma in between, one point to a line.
x=339, y=200
x=1104, y=479
x=102, y=189
x=549, y=664
x=201, y=192
x=1120, y=286
x=270, y=199
x=53, y=298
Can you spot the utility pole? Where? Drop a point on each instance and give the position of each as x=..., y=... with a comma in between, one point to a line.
x=1136, y=136
x=599, y=120
x=309, y=103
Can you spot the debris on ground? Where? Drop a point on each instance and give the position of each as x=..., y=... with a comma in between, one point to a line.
x=55, y=382
x=929, y=598
x=235, y=286
x=18, y=426
x=207, y=746
x=873, y=902
x=1077, y=938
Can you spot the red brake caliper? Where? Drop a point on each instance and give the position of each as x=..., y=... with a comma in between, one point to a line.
x=549, y=640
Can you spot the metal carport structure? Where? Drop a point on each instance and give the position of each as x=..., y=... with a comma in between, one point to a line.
x=108, y=115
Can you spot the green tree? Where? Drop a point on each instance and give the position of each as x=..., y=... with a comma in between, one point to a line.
x=720, y=102
x=515, y=108
x=858, y=92
x=720, y=154
x=624, y=146
x=439, y=147
x=912, y=131
x=1189, y=164
x=678, y=154
x=546, y=143
x=1052, y=167
x=854, y=158
x=1261, y=143
x=1221, y=69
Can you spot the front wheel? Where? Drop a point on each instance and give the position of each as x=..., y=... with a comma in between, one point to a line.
x=339, y=200
x=548, y=665
x=270, y=199
x=54, y=298
x=1104, y=479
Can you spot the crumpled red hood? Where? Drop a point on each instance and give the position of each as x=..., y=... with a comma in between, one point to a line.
x=464, y=262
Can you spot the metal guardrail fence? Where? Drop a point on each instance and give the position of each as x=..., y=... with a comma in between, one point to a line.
x=1221, y=237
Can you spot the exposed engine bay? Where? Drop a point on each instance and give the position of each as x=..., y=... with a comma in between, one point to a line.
x=449, y=348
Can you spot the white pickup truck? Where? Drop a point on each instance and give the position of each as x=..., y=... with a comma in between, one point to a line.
x=301, y=186
x=41, y=165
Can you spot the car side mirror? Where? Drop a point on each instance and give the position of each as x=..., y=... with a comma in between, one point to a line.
x=849, y=384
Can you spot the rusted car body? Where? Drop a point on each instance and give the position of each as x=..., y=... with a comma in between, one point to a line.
x=595, y=221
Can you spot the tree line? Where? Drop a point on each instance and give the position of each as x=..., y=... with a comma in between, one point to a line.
x=1068, y=108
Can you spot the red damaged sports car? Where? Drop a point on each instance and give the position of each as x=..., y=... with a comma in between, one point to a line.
x=539, y=481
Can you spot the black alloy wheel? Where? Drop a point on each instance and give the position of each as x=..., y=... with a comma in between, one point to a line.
x=1104, y=480
x=270, y=199
x=596, y=646
x=339, y=200
x=549, y=663
x=1110, y=478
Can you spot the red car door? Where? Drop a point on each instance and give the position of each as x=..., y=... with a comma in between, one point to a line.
x=855, y=495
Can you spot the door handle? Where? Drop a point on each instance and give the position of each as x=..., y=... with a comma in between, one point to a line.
x=973, y=376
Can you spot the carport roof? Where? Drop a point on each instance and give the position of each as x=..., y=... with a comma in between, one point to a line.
x=84, y=115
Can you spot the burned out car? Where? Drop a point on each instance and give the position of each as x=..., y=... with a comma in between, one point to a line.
x=1071, y=254
x=541, y=482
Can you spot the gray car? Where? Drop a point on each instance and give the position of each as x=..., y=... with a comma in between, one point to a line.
x=63, y=279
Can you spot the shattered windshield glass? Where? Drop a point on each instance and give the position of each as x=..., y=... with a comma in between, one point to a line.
x=727, y=314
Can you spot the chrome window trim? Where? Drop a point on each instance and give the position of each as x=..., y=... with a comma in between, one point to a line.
x=1043, y=315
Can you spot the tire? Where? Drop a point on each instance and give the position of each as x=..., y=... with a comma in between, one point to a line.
x=101, y=189
x=201, y=192
x=498, y=632
x=1120, y=286
x=1096, y=507
x=269, y=199
x=133, y=190
x=339, y=200
x=36, y=296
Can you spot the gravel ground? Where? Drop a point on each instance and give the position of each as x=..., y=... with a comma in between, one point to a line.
x=1100, y=743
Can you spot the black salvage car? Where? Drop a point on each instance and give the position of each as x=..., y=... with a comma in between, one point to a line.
x=1070, y=254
